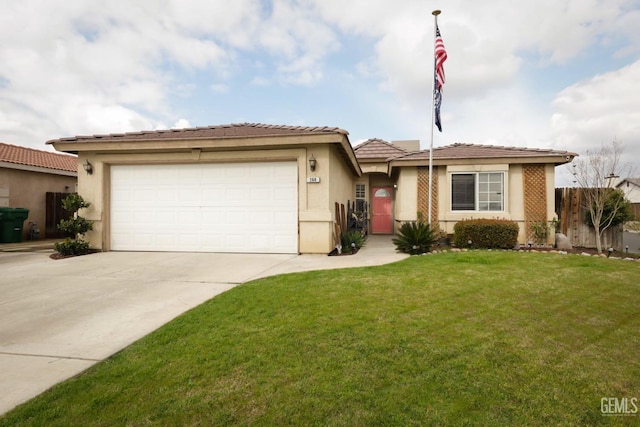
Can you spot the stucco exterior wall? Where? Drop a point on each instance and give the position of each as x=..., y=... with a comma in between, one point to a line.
x=514, y=196
x=631, y=192
x=28, y=189
x=315, y=200
x=550, y=172
x=316, y=216
x=406, y=203
x=342, y=182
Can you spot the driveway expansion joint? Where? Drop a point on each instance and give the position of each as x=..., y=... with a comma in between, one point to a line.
x=48, y=356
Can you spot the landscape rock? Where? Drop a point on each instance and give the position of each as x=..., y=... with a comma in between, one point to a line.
x=585, y=254
x=563, y=242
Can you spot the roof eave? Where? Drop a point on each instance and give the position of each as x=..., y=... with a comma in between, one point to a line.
x=212, y=144
x=40, y=169
x=556, y=160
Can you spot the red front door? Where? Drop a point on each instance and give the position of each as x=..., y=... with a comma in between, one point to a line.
x=382, y=222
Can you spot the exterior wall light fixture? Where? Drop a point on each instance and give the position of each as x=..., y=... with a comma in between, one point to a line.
x=88, y=167
x=312, y=163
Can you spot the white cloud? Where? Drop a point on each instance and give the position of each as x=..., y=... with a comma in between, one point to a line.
x=260, y=81
x=598, y=110
x=181, y=124
x=86, y=66
x=220, y=88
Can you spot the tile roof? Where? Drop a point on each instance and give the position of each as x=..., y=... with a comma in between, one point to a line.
x=38, y=158
x=236, y=130
x=378, y=149
x=476, y=151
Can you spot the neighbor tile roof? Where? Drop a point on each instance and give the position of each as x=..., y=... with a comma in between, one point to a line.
x=236, y=130
x=378, y=149
x=475, y=151
x=32, y=157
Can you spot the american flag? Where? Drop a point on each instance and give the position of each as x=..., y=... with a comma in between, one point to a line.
x=438, y=75
x=441, y=56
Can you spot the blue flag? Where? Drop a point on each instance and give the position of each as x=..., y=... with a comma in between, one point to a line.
x=437, y=103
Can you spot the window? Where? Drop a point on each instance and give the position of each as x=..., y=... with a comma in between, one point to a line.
x=382, y=192
x=361, y=191
x=482, y=191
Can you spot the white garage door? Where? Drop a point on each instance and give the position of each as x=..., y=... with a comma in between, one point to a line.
x=230, y=207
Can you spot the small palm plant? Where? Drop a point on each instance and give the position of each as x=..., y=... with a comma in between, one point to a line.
x=415, y=237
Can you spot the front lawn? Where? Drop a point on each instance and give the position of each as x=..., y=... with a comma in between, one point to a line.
x=476, y=338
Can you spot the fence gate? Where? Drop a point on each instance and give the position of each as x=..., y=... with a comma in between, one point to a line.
x=55, y=213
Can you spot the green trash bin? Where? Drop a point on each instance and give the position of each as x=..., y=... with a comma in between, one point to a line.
x=11, y=223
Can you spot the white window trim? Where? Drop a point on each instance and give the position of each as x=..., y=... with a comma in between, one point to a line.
x=477, y=191
x=364, y=191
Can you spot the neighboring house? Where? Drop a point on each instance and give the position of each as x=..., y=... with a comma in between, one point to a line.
x=27, y=175
x=272, y=189
x=631, y=189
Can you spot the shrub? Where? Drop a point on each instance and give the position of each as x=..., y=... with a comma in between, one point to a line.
x=75, y=226
x=540, y=231
x=415, y=237
x=352, y=240
x=615, y=211
x=72, y=247
x=486, y=233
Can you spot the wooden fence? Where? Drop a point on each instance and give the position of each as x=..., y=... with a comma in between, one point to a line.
x=54, y=213
x=636, y=210
x=572, y=213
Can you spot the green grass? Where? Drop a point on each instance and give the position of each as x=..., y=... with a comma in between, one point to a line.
x=477, y=338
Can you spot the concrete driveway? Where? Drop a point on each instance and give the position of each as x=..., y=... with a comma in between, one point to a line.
x=57, y=318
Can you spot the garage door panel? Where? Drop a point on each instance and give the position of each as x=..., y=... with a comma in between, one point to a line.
x=239, y=207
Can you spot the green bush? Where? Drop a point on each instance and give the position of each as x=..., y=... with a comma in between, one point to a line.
x=540, y=231
x=352, y=240
x=486, y=233
x=415, y=237
x=616, y=210
x=72, y=247
x=76, y=226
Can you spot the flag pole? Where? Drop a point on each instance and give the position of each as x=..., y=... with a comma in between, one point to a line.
x=435, y=14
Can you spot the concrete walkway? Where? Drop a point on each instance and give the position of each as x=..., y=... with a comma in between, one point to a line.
x=57, y=318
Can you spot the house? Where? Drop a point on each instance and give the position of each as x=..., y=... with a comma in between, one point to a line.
x=272, y=189
x=231, y=188
x=631, y=189
x=27, y=175
x=468, y=181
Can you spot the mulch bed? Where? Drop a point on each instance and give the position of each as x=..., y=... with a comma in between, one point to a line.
x=335, y=252
x=57, y=255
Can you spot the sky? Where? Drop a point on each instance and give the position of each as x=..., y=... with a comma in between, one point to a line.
x=561, y=74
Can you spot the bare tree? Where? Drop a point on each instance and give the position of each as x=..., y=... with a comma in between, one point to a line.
x=595, y=173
